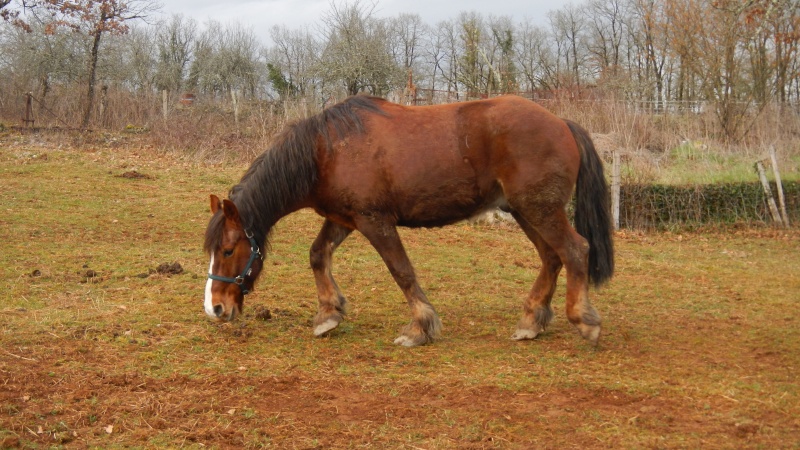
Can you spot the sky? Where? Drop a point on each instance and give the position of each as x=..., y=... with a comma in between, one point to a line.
x=264, y=14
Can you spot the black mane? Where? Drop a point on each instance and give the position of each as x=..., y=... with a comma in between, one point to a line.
x=286, y=173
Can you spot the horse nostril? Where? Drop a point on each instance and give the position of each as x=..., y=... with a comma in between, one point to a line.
x=218, y=310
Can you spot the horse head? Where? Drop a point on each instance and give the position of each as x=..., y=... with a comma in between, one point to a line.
x=236, y=261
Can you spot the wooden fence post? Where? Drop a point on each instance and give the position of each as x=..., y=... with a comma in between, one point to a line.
x=773, y=209
x=781, y=199
x=28, y=120
x=165, y=103
x=235, y=99
x=615, y=188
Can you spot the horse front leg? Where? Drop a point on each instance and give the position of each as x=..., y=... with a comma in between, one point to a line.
x=425, y=324
x=331, y=301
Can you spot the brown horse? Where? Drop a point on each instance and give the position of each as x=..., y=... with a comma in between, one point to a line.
x=369, y=165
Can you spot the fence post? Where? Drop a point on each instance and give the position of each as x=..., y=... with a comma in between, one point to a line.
x=773, y=209
x=235, y=99
x=28, y=120
x=779, y=185
x=165, y=103
x=615, y=188
x=104, y=105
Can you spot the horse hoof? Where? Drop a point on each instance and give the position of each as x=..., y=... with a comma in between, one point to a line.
x=405, y=341
x=590, y=332
x=524, y=334
x=323, y=328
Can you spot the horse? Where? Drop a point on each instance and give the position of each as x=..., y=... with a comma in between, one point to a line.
x=370, y=165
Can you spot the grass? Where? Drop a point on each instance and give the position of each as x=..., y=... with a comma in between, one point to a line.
x=696, y=163
x=700, y=343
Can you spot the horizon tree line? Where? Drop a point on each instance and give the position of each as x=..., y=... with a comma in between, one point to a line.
x=734, y=55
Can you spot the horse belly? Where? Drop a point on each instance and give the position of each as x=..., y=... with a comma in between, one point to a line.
x=446, y=202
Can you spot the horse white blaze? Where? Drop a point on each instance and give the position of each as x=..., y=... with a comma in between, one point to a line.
x=209, y=307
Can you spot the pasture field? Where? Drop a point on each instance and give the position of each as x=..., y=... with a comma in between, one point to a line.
x=98, y=348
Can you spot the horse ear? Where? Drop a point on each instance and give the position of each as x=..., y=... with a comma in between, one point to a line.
x=215, y=204
x=230, y=211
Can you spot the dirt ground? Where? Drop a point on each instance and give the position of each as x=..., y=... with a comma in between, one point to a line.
x=106, y=407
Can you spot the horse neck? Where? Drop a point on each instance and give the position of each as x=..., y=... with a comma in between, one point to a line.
x=275, y=185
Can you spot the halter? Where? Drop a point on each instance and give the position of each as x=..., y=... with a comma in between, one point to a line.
x=255, y=252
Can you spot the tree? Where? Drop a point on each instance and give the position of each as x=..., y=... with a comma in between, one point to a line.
x=357, y=52
x=406, y=35
x=503, y=70
x=446, y=54
x=175, y=40
x=91, y=17
x=38, y=60
x=472, y=64
x=648, y=28
x=535, y=57
x=567, y=25
x=226, y=59
x=294, y=55
x=606, y=30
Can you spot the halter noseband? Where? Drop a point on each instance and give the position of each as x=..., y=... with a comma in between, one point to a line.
x=255, y=252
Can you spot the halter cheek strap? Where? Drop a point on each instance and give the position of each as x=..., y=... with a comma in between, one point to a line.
x=255, y=252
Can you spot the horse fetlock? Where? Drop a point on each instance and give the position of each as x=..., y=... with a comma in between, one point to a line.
x=542, y=316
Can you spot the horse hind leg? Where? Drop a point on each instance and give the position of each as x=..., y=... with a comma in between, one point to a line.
x=537, y=312
x=551, y=223
x=331, y=301
x=425, y=324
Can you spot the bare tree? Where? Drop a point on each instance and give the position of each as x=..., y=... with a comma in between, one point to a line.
x=357, y=52
x=175, y=40
x=503, y=71
x=649, y=28
x=447, y=56
x=567, y=25
x=226, y=58
x=535, y=57
x=38, y=60
x=605, y=37
x=94, y=18
x=294, y=54
x=472, y=62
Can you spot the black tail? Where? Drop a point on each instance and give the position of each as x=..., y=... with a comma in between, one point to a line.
x=592, y=211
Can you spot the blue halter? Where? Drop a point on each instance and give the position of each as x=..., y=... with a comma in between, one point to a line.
x=255, y=252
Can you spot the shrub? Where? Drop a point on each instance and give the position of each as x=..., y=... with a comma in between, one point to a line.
x=646, y=206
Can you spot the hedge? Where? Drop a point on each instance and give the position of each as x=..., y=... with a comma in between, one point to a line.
x=664, y=206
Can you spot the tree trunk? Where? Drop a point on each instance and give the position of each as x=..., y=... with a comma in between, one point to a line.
x=87, y=113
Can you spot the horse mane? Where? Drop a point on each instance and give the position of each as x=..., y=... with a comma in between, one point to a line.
x=286, y=173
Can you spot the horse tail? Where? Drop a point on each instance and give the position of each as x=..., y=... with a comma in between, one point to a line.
x=592, y=212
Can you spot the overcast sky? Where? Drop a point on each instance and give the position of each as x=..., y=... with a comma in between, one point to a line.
x=261, y=15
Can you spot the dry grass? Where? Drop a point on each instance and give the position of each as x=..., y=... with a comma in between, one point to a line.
x=700, y=346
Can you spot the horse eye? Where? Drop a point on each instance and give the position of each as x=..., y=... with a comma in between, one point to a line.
x=227, y=253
